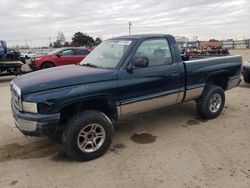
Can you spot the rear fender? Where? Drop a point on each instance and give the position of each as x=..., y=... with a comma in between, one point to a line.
x=219, y=78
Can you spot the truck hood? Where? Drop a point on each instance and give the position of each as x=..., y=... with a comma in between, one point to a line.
x=63, y=76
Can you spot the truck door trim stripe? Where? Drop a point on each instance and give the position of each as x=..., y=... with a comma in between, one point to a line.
x=146, y=103
x=194, y=93
x=150, y=96
x=154, y=101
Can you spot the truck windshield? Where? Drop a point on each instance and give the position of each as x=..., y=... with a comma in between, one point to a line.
x=107, y=54
x=54, y=51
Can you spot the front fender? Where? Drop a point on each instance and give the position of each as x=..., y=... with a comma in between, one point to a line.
x=58, y=99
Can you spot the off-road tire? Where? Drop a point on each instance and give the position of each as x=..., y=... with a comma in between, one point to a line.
x=247, y=79
x=78, y=123
x=203, y=103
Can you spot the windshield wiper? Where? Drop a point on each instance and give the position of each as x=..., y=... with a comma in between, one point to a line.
x=90, y=65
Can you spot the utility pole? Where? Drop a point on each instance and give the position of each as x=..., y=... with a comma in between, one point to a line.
x=31, y=44
x=26, y=45
x=129, y=27
x=50, y=42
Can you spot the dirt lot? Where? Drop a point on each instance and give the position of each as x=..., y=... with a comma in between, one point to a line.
x=176, y=149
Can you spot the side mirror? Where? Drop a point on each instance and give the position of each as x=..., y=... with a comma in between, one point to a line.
x=58, y=55
x=140, y=62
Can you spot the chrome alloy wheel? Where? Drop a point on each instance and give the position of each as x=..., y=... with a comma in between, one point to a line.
x=91, y=138
x=215, y=102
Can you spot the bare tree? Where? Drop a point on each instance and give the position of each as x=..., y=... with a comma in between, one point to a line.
x=60, y=38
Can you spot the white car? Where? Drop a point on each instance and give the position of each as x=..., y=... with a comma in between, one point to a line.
x=27, y=55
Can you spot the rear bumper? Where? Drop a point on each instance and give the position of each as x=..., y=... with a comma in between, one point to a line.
x=35, y=124
x=233, y=82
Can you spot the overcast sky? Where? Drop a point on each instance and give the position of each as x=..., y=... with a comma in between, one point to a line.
x=38, y=20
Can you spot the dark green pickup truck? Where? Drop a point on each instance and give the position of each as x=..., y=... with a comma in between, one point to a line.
x=121, y=77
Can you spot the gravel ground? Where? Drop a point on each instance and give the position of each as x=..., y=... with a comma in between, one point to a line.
x=175, y=148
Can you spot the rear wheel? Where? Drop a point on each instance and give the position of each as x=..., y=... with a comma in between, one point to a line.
x=18, y=71
x=47, y=65
x=247, y=79
x=88, y=135
x=211, y=102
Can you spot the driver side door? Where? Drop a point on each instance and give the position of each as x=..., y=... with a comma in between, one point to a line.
x=66, y=57
x=155, y=86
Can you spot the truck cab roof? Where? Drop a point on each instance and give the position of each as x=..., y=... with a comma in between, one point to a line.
x=142, y=36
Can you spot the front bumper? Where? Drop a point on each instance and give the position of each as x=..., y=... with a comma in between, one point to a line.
x=33, y=66
x=35, y=124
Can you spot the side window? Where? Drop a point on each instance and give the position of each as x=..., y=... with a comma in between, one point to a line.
x=82, y=52
x=67, y=52
x=156, y=50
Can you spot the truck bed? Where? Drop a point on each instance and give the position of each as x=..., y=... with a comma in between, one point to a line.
x=9, y=62
x=10, y=67
x=198, y=71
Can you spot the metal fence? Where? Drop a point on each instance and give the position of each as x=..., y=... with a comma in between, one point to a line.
x=243, y=44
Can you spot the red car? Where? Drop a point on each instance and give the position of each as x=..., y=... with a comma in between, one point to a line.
x=63, y=56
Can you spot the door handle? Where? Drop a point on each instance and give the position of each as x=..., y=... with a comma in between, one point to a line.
x=174, y=73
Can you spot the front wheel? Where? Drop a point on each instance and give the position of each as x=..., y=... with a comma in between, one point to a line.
x=88, y=135
x=47, y=65
x=211, y=102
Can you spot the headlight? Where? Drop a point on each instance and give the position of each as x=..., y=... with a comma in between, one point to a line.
x=37, y=58
x=29, y=107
